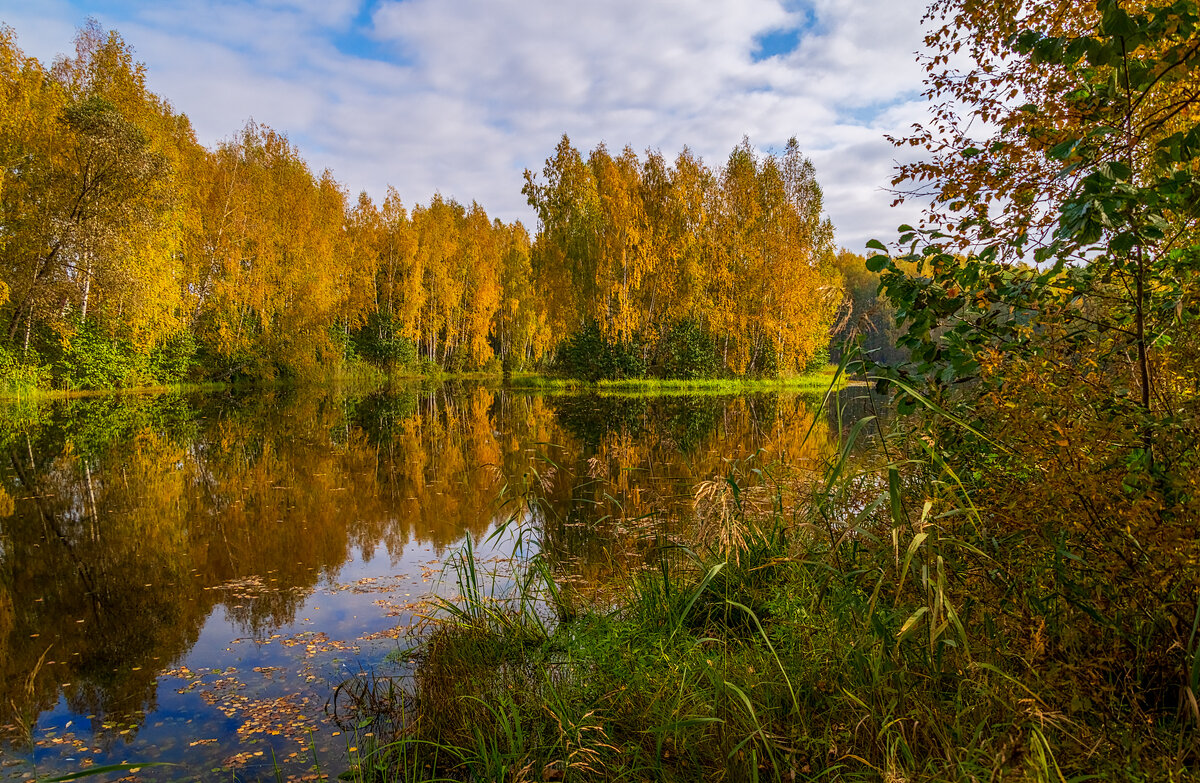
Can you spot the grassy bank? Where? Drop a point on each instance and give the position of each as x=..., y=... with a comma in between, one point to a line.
x=364, y=375
x=34, y=393
x=815, y=382
x=869, y=624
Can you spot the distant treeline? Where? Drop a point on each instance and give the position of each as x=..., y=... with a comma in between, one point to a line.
x=132, y=254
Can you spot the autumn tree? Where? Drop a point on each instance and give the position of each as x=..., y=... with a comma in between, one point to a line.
x=566, y=249
x=92, y=193
x=278, y=275
x=657, y=260
x=126, y=239
x=29, y=126
x=866, y=317
x=92, y=210
x=386, y=234
x=521, y=334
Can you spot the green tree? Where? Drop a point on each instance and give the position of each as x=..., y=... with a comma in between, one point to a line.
x=1071, y=355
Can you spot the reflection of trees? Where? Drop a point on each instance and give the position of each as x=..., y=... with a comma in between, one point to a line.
x=635, y=459
x=853, y=402
x=134, y=518
x=86, y=564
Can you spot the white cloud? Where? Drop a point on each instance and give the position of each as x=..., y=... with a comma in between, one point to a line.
x=460, y=96
x=43, y=29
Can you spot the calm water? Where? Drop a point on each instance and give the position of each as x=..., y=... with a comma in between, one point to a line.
x=186, y=579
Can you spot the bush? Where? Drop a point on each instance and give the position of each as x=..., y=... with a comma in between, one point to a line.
x=380, y=342
x=687, y=352
x=590, y=356
x=818, y=360
x=90, y=360
x=173, y=357
x=20, y=375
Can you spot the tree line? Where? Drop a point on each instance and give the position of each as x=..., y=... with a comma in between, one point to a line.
x=130, y=253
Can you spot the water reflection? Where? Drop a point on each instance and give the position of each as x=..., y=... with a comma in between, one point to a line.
x=133, y=527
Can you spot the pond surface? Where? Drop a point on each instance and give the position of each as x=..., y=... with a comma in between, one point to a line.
x=187, y=578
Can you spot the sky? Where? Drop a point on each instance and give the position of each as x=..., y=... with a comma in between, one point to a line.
x=459, y=97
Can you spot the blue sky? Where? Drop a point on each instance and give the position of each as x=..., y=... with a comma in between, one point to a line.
x=461, y=96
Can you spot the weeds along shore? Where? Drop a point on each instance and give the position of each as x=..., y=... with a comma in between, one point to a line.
x=870, y=623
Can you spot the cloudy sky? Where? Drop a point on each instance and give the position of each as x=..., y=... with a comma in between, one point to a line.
x=461, y=96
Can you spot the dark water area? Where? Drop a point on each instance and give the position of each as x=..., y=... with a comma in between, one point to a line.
x=186, y=578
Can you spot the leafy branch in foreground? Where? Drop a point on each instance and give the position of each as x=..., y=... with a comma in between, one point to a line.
x=1070, y=354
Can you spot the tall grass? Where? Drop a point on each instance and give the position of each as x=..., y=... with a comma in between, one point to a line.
x=869, y=625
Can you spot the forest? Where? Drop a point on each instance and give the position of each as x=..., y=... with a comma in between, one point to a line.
x=132, y=255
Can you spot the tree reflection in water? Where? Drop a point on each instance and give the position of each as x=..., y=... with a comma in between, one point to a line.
x=128, y=520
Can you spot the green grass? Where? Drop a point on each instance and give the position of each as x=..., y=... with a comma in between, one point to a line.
x=38, y=393
x=815, y=382
x=544, y=382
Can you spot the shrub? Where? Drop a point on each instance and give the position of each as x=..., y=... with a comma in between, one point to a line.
x=18, y=374
x=91, y=360
x=173, y=357
x=380, y=342
x=687, y=352
x=590, y=356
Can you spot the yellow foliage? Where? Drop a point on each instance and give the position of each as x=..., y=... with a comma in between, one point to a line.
x=637, y=247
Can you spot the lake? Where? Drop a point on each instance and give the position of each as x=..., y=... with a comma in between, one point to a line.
x=187, y=578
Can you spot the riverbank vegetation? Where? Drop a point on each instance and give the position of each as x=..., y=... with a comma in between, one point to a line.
x=132, y=255
x=1005, y=585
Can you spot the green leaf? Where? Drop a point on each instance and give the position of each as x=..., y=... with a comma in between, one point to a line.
x=1101, y=52
x=1075, y=50
x=1027, y=40
x=878, y=263
x=1117, y=23
x=1115, y=170
x=911, y=624
x=896, y=496
x=1064, y=150
x=1122, y=243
